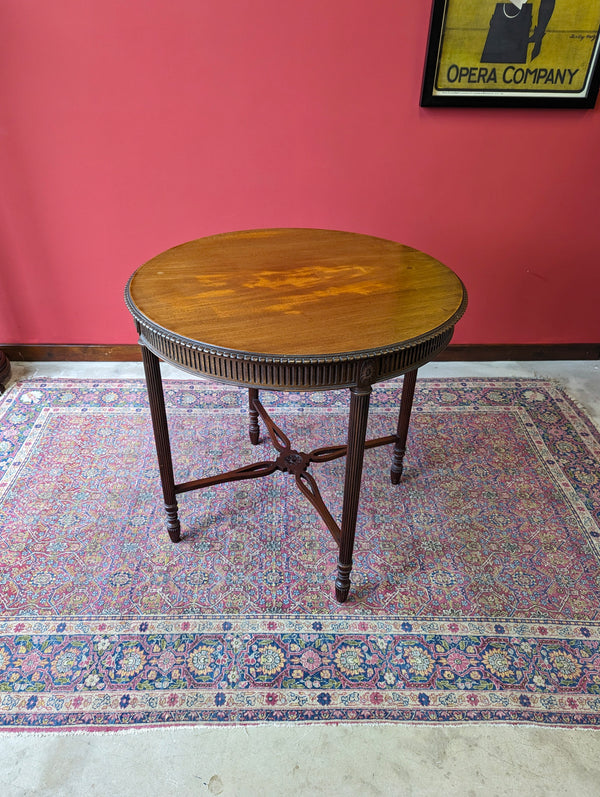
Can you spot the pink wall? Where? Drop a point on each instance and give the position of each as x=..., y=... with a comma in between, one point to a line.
x=128, y=127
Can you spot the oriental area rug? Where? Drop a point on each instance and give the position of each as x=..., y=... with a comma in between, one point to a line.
x=475, y=590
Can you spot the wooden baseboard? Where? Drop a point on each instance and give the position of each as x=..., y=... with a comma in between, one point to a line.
x=95, y=353
x=476, y=352
x=458, y=352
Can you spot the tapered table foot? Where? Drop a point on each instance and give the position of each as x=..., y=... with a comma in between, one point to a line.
x=342, y=582
x=173, y=524
x=406, y=402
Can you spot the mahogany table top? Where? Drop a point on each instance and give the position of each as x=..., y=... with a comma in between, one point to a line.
x=296, y=292
x=254, y=307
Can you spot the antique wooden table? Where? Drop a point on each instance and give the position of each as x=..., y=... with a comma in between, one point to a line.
x=294, y=309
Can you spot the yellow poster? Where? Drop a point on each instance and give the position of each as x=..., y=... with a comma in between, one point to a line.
x=532, y=49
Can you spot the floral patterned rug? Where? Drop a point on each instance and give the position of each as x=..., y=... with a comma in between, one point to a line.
x=475, y=590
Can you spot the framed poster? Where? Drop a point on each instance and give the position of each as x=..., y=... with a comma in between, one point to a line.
x=521, y=53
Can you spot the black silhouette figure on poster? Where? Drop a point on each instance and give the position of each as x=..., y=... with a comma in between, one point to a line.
x=544, y=14
x=510, y=34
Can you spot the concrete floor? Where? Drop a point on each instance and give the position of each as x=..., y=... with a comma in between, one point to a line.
x=310, y=759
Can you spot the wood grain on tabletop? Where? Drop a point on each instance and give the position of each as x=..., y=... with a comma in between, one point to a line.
x=296, y=292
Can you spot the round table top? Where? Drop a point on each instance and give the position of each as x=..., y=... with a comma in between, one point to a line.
x=296, y=293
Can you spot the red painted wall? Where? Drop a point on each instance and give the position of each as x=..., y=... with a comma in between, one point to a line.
x=128, y=127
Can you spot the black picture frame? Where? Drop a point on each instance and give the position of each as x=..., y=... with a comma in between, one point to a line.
x=529, y=81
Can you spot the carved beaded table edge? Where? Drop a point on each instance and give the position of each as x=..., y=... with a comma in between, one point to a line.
x=294, y=309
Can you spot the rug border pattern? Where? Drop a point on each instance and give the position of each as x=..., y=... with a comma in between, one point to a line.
x=64, y=709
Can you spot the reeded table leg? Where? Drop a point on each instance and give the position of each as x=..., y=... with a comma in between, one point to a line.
x=161, y=438
x=357, y=428
x=406, y=402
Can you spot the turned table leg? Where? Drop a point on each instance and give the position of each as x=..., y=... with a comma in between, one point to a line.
x=253, y=429
x=357, y=428
x=406, y=402
x=4, y=370
x=161, y=438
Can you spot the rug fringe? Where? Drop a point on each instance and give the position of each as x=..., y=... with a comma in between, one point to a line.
x=196, y=728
